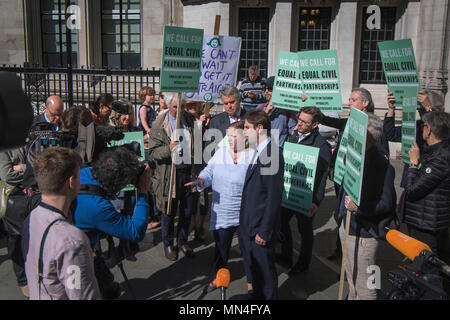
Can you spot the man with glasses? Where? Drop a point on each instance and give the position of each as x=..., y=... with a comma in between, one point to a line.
x=282, y=121
x=53, y=110
x=307, y=133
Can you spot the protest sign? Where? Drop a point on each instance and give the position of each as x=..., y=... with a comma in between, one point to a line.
x=300, y=164
x=287, y=87
x=356, y=149
x=220, y=61
x=339, y=165
x=181, y=59
x=400, y=69
x=319, y=73
x=129, y=137
x=408, y=122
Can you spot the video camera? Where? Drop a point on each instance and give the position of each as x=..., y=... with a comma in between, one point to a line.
x=423, y=279
x=43, y=135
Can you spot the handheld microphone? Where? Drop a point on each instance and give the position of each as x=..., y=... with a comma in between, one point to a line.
x=223, y=281
x=410, y=247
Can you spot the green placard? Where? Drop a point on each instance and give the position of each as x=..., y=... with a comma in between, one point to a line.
x=181, y=59
x=400, y=68
x=129, y=137
x=339, y=165
x=287, y=87
x=408, y=122
x=319, y=73
x=356, y=149
x=300, y=164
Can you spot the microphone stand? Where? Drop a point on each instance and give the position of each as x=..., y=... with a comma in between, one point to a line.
x=222, y=293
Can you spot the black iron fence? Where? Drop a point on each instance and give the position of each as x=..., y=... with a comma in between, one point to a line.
x=38, y=83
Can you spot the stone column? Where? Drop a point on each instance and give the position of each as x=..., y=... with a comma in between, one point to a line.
x=343, y=40
x=433, y=49
x=279, y=34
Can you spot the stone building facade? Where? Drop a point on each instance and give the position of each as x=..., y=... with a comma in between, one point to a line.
x=29, y=29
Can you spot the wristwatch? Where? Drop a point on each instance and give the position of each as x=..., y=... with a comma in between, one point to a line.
x=413, y=165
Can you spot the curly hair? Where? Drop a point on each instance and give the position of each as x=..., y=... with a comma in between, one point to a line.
x=115, y=168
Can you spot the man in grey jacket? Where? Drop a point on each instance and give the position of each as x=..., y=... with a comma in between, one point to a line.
x=58, y=257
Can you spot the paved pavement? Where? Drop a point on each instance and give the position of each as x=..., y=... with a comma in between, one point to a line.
x=154, y=277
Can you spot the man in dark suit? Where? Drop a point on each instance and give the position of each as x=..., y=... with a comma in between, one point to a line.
x=307, y=133
x=53, y=110
x=233, y=112
x=259, y=220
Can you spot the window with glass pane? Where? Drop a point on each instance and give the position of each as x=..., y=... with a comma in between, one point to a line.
x=53, y=31
x=254, y=31
x=121, y=33
x=314, y=29
x=370, y=67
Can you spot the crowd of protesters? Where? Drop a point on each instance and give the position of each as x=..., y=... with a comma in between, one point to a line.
x=67, y=198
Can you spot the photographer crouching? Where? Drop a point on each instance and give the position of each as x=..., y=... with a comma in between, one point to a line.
x=95, y=214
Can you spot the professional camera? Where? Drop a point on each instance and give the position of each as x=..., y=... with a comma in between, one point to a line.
x=43, y=135
x=421, y=280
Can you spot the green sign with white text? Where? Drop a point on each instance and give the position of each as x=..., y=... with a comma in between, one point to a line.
x=339, y=165
x=181, y=59
x=400, y=68
x=287, y=87
x=356, y=149
x=408, y=122
x=300, y=164
x=320, y=79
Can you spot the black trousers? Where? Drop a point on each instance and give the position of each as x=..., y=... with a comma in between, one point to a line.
x=222, y=238
x=185, y=202
x=305, y=228
x=261, y=263
x=438, y=241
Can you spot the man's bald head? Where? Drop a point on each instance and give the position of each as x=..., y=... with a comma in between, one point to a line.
x=53, y=109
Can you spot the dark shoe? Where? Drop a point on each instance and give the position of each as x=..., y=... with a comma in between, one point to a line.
x=188, y=252
x=335, y=255
x=170, y=253
x=296, y=270
x=283, y=260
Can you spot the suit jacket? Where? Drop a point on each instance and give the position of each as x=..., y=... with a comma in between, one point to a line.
x=261, y=196
x=220, y=122
x=320, y=181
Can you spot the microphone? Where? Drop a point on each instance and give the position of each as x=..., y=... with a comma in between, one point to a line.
x=410, y=247
x=223, y=281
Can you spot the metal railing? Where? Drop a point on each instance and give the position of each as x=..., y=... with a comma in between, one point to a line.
x=38, y=83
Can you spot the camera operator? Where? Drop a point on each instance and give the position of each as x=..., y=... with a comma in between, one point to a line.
x=95, y=214
x=427, y=206
x=58, y=260
x=123, y=117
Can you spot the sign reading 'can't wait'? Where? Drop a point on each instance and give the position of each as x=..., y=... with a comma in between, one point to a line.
x=181, y=59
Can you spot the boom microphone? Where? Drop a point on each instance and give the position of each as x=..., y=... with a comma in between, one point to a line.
x=410, y=247
x=223, y=281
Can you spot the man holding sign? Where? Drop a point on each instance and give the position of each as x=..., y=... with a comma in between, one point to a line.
x=307, y=134
x=370, y=181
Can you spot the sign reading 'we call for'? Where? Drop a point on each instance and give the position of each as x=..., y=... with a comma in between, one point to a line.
x=400, y=69
x=409, y=107
x=354, y=158
x=300, y=163
x=313, y=73
x=181, y=59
